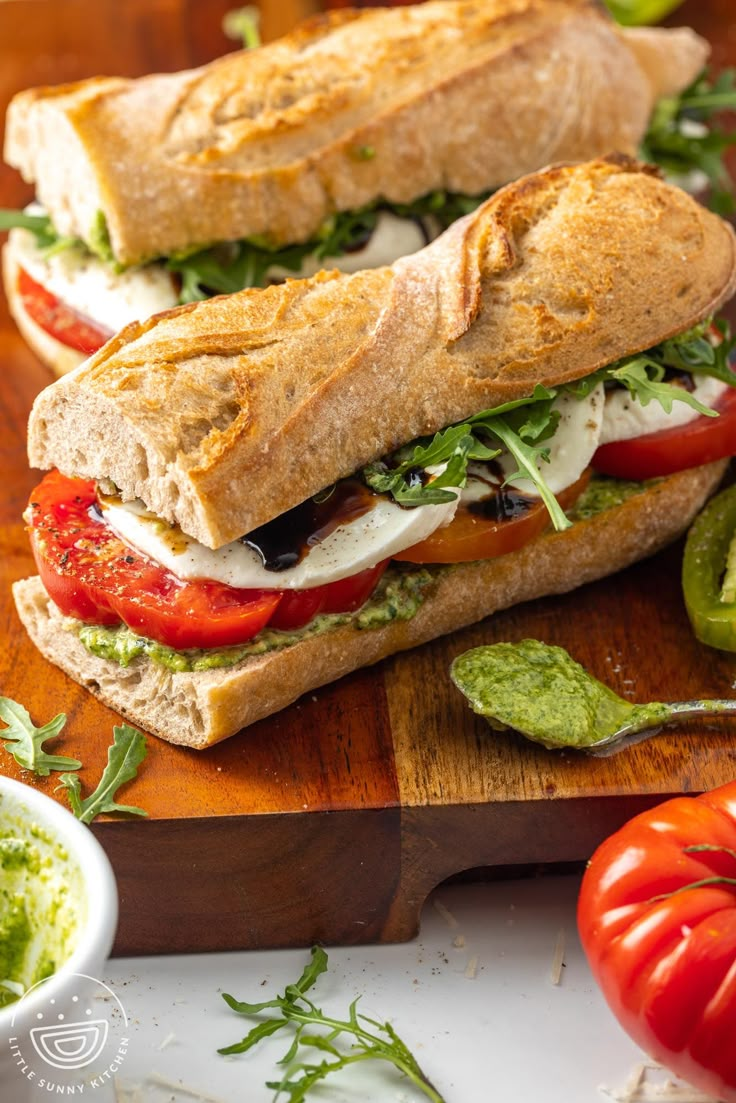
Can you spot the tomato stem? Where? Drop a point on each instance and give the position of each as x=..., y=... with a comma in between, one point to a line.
x=709, y=846
x=694, y=885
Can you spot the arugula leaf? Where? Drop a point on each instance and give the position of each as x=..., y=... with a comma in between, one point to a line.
x=528, y=456
x=682, y=136
x=691, y=352
x=452, y=447
x=124, y=756
x=26, y=741
x=643, y=376
x=42, y=228
x=230, y=267
x=297, y=1011
x=520, y=426
x=244, y=23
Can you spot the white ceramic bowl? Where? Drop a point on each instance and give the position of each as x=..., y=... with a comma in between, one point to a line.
x=82, y=863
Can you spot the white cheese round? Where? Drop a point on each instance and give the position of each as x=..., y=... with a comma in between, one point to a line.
x=91, y=286
x=382, y=532
x=570, y=449
x=624, y=417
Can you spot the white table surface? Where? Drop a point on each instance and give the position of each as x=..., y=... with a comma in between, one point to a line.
x=472, y=997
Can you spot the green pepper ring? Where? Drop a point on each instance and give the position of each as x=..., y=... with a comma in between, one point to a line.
x=706, y=552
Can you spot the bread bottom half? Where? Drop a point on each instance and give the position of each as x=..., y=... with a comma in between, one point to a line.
x=198, y=709
x=55, y=355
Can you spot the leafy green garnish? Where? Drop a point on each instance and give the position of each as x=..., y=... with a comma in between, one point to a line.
x=521, y=427
x=25, y=741
x=99, y=239
x=637, y=12
x=226, y=268
x=42, y=228
x=244, y=24
x=124, y=756
x=297, y=1011
x=673, y=141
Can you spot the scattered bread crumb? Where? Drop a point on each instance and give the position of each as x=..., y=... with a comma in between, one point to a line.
x=558, y=958
x=446, y=914
x=472, y=967
x=157, y=1080
x=458, y=941
x=646, y=1085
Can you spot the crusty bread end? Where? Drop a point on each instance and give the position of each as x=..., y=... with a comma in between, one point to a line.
x=202, y=708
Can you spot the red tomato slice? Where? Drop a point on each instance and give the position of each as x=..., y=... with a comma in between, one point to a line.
x=657, y=920
x=701, y=441
x=59, y=320
x=470, y=536
x=95, y=577
x=298, y=607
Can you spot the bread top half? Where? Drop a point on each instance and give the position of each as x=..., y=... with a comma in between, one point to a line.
x=351, y=107
x=223, y=414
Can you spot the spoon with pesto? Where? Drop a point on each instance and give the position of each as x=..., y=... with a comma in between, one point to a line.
x=540, y=691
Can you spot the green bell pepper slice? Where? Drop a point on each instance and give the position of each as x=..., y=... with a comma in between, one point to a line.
x=709, y=572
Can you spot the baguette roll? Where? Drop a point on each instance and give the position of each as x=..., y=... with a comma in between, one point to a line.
x=350, y=108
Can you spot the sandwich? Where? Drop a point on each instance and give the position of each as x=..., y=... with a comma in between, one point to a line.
x=352, y=141
x=251, y=496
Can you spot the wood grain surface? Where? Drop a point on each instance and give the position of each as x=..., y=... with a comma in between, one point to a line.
x=333, y=820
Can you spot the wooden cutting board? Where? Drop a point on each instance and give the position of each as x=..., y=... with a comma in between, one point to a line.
x=331, y=821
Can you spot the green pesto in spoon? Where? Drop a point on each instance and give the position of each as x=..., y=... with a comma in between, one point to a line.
x=541, y=692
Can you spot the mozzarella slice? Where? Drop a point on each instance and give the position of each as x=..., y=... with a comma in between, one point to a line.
x=624, y=417
x=392, y=238
x=570, y=449
x=378, y=534
x=91, y=287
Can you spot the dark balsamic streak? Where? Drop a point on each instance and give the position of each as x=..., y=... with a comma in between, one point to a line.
x=285, y=541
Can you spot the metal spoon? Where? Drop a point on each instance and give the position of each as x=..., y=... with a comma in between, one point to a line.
x=540, y=691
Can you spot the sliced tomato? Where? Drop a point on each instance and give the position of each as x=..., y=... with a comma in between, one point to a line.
x=470, y=536
x=700, y=441
x=298, y=607
x=95, y=577
x=59, y=320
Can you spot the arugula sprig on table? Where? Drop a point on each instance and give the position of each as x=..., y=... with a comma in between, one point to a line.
x=124, y=756
x=369, y=1039
x=674, y=143
x=522, y=427
x=26, y=742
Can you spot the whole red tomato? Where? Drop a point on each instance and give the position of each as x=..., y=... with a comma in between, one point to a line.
x=657, y=919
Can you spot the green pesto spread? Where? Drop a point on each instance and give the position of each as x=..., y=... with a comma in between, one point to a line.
x=40, y=902
x=398, y=596
x=604, y=492
x=541, y=692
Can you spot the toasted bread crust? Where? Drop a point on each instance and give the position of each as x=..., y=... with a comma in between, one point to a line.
x=224, y=414
x=350, y=107
x=202, y=708
x=60, y=358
